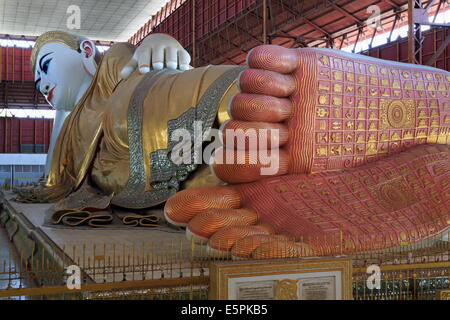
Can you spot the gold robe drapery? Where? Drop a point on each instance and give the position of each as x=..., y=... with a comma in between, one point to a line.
x=79, y=135
x=95, y=138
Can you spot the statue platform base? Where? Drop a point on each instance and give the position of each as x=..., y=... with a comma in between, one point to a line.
x=103, y=253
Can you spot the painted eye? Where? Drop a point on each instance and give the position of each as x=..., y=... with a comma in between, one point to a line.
x=45, y=66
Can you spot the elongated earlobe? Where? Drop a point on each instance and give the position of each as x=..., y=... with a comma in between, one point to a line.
x=87, y=50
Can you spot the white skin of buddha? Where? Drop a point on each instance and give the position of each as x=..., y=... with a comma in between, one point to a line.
x=63, y=75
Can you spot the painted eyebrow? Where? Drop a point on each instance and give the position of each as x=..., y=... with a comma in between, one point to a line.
x=40, y=61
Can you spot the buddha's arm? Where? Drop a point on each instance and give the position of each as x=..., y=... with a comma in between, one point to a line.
x=60, y=116
x=142, y=116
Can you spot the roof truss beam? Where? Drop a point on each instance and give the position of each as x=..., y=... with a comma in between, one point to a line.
x=346, y=13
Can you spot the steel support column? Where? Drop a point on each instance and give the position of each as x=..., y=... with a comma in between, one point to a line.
x=415, y=39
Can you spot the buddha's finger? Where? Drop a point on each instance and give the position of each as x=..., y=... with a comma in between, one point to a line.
x=129, y=68
x=158, y=58
x=171, y=58
x=144, y=61
x=184, y=59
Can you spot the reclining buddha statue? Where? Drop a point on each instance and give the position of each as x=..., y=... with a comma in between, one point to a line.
x=316, y=145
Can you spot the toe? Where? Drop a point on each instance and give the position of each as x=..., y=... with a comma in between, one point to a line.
x=278, y=249
x=257, y=107
x=244, y=135
x=267, y=82
x=223, y=240
x=184, y=205
x=243, y=248
x=240, y=166
x=205, y=224
x=274, y=58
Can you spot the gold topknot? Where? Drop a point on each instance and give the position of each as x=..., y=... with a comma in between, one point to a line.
x=51, y=37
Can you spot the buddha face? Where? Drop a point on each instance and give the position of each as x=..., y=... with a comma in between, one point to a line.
x=62, y=74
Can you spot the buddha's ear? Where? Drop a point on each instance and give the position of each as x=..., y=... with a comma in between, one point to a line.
x=87, y=50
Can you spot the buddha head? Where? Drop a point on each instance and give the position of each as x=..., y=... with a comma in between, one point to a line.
x=63, y=65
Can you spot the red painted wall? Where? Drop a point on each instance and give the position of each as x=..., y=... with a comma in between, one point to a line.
x=176, y=20
x=15, y=64
x=17, y=131
x=209, y=14
x=398, y=51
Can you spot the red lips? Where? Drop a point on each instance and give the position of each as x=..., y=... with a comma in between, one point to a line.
x=50, y=94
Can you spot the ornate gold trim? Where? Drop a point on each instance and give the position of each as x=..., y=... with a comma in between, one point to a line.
x=412, y=266
x=286, y=289
x=397, y=114
x=443, y=294
x=221, y=272
x=165, y=176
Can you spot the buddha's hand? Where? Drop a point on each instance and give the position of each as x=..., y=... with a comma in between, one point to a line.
x=156, y=52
